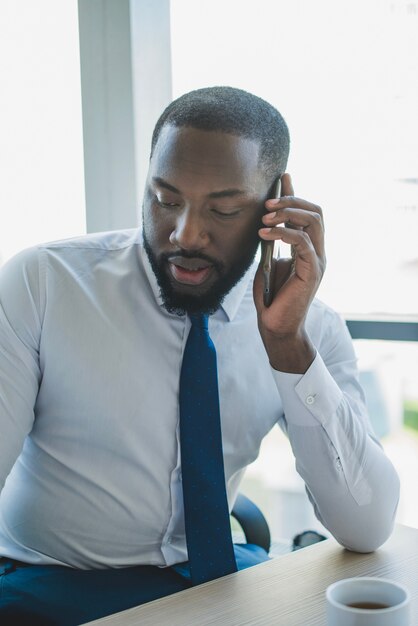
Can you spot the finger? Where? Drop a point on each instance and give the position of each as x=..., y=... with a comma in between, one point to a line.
x=307, y=264
x=287, y=235
x=299, y=218
x=308, y=221
x=300, y=240
x=275, y=204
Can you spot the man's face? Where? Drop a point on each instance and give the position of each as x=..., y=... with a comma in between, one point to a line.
x=203, y=204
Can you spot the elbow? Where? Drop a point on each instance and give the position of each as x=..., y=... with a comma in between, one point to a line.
x=370, y=526
x=366, y=544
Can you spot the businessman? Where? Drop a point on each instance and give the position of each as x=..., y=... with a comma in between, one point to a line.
x=140, y=371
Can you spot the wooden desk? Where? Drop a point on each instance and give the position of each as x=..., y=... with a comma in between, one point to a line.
x=288, y=590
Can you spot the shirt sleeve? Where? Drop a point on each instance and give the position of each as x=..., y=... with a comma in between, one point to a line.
x=352, y=485
x=20, y=326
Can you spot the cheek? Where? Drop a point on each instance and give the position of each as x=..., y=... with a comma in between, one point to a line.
x=157, y=229
x=248, y=234
x=240, y=243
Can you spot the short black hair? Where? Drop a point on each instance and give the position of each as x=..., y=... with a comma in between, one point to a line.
x=237, y=112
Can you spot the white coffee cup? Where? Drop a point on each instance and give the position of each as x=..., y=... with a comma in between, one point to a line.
x=356, y=602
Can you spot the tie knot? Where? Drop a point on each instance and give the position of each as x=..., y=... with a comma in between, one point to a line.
x=200, y=320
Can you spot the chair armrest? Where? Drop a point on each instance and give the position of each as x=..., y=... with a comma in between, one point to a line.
x=252, y=522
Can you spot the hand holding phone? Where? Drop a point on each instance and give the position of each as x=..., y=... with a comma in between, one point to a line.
x=285, y=287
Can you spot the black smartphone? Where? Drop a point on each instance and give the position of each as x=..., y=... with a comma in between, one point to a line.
x=267, y=255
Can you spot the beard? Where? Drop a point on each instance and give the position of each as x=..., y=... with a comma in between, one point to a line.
x=207, y=301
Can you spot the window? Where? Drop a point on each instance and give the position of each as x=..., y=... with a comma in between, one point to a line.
x=343, y=74
x=41, y=152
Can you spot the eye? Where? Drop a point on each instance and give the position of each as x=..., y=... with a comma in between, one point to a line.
x=166, y=205
x=225, y=215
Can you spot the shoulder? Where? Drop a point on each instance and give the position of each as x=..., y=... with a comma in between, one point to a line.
x=30, y=258
x=111, y=240
x=27, y=270
x=80, y=255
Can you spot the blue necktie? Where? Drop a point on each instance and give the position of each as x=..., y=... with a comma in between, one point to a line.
x=208, y=531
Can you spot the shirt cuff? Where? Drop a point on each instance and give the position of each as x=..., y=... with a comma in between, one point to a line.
x=309, y=399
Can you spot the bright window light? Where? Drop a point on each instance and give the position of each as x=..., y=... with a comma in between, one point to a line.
x=344, y=75
x=41, y=151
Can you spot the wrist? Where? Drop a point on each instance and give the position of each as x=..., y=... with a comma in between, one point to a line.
x=291, y=354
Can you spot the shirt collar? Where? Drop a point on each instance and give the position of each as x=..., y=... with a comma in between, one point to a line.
x=231, y=301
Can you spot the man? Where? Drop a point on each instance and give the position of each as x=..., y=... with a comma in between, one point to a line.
x=94, y=332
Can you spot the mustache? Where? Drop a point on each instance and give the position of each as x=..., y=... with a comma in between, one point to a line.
x=190, y=254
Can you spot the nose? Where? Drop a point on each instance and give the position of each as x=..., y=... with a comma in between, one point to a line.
x=190, y=232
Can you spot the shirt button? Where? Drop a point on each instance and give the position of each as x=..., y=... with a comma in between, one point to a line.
x=310, y=399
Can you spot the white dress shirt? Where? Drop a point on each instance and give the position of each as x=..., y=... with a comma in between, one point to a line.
x=89, y=444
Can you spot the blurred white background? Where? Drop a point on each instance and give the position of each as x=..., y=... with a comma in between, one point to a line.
x=41, y=145
x=344, y=75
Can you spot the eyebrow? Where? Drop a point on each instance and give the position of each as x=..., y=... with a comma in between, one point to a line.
x=224, y=193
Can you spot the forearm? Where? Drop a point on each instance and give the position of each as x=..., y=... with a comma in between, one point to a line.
x=355, y=499
x=352, y=484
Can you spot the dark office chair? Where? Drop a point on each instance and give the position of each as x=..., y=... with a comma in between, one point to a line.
x=252, y=522
x=256, y=530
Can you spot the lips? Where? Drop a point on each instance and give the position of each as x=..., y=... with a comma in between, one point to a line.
x=189, y=271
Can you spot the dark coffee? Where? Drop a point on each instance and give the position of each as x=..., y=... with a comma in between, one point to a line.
x=368, y=605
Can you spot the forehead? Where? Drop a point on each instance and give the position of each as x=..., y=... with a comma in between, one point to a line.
x=206, y=158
